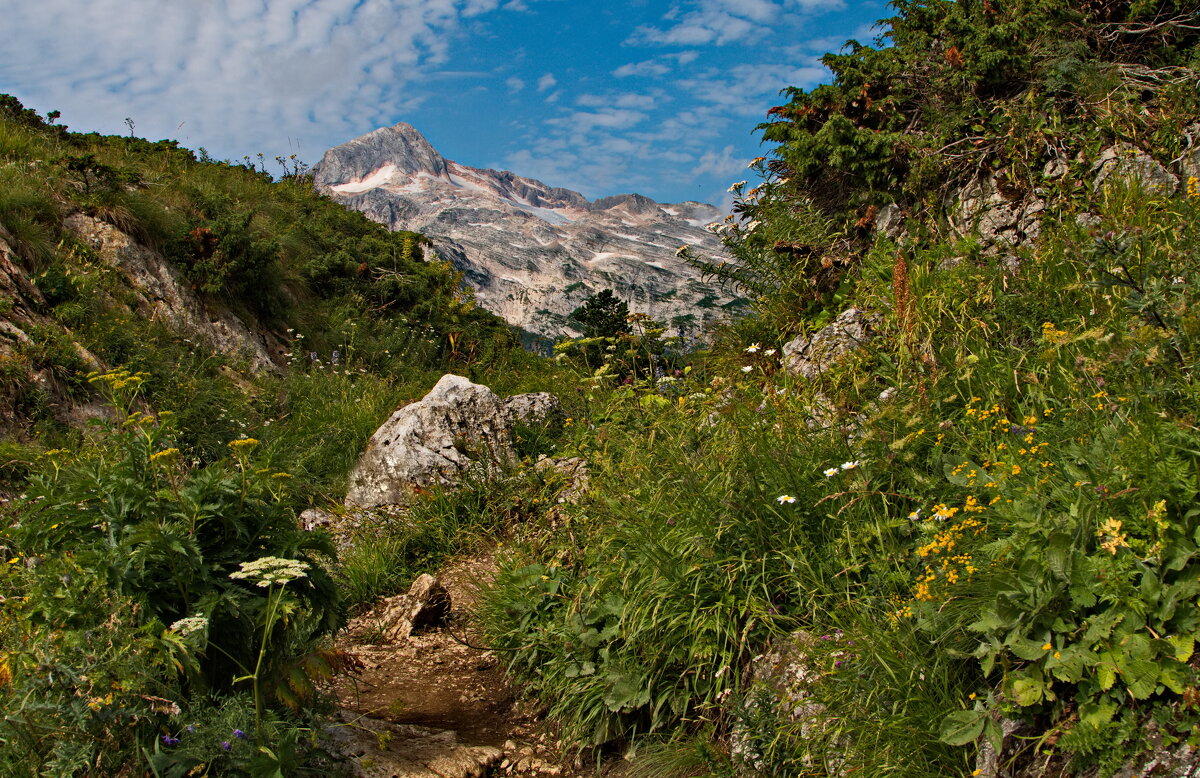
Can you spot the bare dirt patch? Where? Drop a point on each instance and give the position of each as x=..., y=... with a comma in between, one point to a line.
x=442, y=680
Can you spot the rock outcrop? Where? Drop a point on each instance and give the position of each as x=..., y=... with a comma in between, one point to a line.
x=532, y=253
x=163, y=294
x=780, y=688
x=810, y=355
x=458, y=427
x=1125, y=161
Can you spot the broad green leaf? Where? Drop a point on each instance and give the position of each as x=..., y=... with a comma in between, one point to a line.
x=994, y=733
x=962, y=727
x=1027, y=691
x=1096, y=714
x=1140, y=677
x=1058, y=550
x=1184, y=645
x=1174, y=676
x=1069, y=664
x=1025, y=648
x=1106, y=671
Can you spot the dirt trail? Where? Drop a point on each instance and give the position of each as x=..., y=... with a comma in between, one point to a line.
x=433, y=683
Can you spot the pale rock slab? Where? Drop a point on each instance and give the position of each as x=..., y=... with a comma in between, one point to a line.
x=380, y=749
x=427, y=604
x=781, y=679
x=981, y=208
x=1128, y=162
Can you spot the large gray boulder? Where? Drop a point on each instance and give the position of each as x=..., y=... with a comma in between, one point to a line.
x=458, y=427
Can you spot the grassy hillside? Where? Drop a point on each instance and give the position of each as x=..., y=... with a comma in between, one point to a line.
x=978, y=530
x=161, y=608
x=975, y=533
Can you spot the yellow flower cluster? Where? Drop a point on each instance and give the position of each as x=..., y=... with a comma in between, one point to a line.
x=1051, y=334
x=1193, y=186
x=118, y=379
x=1111, y=536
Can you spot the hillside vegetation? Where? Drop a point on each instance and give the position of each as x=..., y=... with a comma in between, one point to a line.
x=969, y=545
x=161, y=608
x=976, y=534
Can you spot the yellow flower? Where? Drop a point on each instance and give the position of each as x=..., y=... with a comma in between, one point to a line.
x=1047, y=647
x=238, y=445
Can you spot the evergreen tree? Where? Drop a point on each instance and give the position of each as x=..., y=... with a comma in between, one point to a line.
x=602, y=315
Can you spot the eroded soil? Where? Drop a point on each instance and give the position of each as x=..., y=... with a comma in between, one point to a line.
x=444, y=679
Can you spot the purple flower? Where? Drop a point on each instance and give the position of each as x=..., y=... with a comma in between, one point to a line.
x=191, y=727
x=170, y=741
x=333, y=358
x=239, y=734
x=225, y=745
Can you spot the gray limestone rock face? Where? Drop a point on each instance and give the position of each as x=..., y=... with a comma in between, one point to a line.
x=781, y=680
x=574, y=474
x=890, y=221
x=532, y=252
x=1189, y=161
x=536, y=409
x=981, y=208
x=164, y=294
x=459, y=426
x=810, y=355
x=1124, y=161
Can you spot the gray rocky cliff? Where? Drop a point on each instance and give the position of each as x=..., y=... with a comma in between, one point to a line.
x=532, y=253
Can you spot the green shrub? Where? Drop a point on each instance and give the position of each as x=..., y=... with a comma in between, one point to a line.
x=126, y=562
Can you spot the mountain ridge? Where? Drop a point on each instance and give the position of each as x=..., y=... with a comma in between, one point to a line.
x=566, y=246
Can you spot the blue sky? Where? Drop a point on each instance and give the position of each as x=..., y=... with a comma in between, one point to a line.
x=655, y=96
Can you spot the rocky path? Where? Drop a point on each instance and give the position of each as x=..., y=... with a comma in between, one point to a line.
x=430, y=706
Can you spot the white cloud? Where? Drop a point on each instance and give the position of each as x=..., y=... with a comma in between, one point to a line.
x=618, y=100
x=650, y=67
x=546, y=82
x=514, y=84
x=721, y=22
x=264, y=73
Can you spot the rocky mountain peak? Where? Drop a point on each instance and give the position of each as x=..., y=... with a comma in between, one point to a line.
x=399, y=149
x=531, y=251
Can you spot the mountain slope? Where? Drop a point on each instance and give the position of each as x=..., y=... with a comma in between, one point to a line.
x=532, y=252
